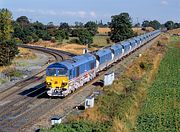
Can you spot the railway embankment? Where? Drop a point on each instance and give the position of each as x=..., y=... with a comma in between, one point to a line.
x=118, y=107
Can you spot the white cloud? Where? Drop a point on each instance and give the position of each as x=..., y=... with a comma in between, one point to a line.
x=164, y=2
x=25, y=10
x=92, y=14
x=81, y=14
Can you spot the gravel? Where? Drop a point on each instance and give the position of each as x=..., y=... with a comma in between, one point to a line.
x=26, y=68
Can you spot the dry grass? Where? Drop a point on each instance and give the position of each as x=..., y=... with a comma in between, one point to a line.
x=6, y=68
x=104, y=30
x=164, y=39
x=149, y=29
x=92, y=114
x=118, y=126
x=73, y=48
x=25, y=54
x=174, y=31
x=138, y=30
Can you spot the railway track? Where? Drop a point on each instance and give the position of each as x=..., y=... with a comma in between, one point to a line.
x=20, y=103
x=58, y=55
x=66, y=105
x=25, y=118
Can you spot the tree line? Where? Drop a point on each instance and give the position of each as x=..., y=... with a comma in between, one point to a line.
x=28, y=32
x=22, y=30
x=169, y=25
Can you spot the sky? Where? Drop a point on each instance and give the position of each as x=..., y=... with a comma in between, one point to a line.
x=70, y=11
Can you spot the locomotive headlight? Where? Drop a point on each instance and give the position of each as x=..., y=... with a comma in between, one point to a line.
x=64, y=83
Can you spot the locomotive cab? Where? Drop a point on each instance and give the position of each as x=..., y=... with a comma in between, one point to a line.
x=56, y=79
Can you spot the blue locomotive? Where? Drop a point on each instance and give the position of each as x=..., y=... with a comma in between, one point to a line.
x=63, y=78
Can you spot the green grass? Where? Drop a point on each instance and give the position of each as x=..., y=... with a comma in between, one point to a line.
x=100, y=41
x=80, y=126
x=14, y=73
x=161, y=110
x=2, y=81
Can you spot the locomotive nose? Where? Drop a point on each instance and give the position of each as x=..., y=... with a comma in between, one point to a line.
x=57, y=82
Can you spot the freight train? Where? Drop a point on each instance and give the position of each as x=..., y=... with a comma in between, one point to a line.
x=63, y=78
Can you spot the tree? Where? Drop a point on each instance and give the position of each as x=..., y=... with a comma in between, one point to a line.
x=121, y=27
x=64, y=26
x=79, y=25
x=137, y=25
x=91, y=27
x=60, y=35
x=23, y=20
x=50, y=25
x=18, y=31
x=169, y=25
x=154, y=24
x=85, y=36
x=176, y=25
x=6, y=28
x=145, y=23
x=38, y=26
x=8, y=48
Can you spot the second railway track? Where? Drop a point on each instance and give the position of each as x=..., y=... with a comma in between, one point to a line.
x=58, y=55
x=18, y=102
x=23, y=115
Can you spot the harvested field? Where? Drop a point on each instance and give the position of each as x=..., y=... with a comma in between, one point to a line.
x=138, y=30
x=104, y=30
x=174, y=31
x=73, y=48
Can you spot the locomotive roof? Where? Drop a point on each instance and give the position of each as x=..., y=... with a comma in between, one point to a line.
x=74, y=61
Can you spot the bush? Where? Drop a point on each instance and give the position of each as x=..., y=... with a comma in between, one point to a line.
x=81, y=126
x=8, y=50
x=53, y=40
x=85, y=36
x=74, y=41
x=35, y=37
x=145, y=65
x=18, y=41
x=27, y=39
x=108, y=40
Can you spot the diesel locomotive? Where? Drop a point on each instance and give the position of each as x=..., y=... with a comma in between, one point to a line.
x=63, y=78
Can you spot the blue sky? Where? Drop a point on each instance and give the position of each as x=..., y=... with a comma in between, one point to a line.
x=84, y=10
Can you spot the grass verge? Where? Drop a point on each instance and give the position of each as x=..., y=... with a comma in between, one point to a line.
x=161, y=110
